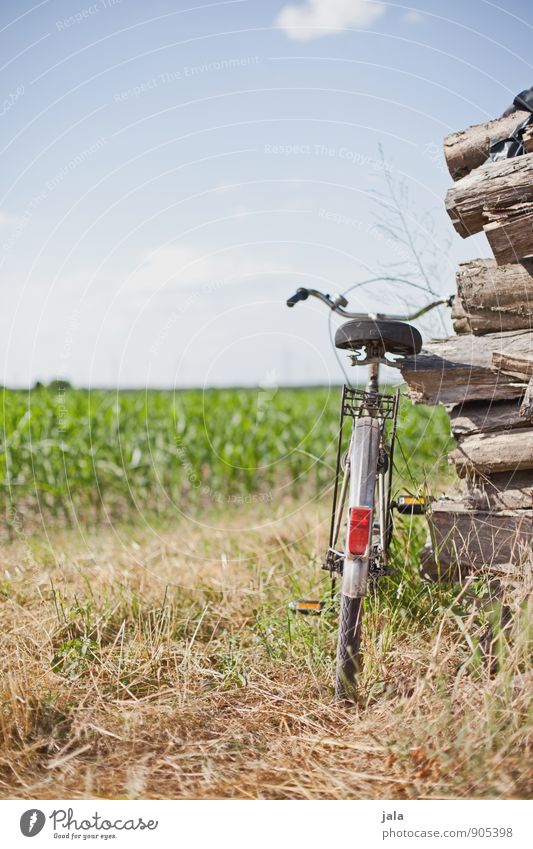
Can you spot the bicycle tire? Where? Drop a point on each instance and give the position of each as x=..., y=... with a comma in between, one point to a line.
x=348, y=648
x=364, y=457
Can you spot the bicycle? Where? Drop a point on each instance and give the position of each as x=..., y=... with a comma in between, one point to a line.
x=366, y=469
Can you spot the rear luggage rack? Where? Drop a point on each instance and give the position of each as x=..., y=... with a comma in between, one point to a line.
x=356, y=401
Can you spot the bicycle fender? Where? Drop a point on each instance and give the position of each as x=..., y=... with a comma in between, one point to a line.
x=364, y=455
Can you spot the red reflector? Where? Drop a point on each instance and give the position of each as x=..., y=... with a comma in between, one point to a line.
x=359, y=530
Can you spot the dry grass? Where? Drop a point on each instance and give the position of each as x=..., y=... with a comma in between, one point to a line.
x=137, y=664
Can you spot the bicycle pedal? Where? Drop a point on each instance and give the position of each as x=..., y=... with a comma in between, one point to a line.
x=307, y=606
x=410, y=505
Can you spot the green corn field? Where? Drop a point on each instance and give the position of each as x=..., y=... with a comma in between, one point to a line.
x=66, y=452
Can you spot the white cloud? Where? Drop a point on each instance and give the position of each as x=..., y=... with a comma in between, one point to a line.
x=316, y=18
x=185, y=267
x=413, y=17
x=172, y=267
x=7, y=219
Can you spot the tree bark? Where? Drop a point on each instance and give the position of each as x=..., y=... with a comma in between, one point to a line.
x=468, y=149
x=526, y=409
x=492, y=298
x=460, y=368
x=490, y=188
x=487, y=453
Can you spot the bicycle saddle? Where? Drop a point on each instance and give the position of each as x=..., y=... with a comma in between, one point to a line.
x=397, y=337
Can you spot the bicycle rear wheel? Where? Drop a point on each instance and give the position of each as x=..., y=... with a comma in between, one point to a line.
x=348, y=647
x=363, y=472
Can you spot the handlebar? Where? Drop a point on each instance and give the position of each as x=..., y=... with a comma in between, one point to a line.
x=338, y=302
x=299, y=295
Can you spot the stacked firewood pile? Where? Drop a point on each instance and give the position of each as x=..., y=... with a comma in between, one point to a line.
x=484, y=374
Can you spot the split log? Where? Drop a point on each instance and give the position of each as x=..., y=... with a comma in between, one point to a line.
x=462, y=321
x=526, y=408
x=509, y=231
x=492, y=298
x=503, y=491
x=460, y=368
x=478, y=416
x=515, y=365
x=494, y=452
x=476, y=541
x=468, y=149
x=480, y=321
x=527, y=138
x=490, y=188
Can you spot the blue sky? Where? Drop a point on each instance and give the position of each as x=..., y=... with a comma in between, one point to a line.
x=171, y=171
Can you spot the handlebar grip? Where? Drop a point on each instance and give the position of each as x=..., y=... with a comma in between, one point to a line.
x=300, y=295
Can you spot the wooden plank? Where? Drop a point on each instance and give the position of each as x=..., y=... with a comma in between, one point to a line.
x=492, y=298
x=494, y=452
x=494, y=186
x=503, y=491
x=475, y=541
x=460, y=368
x=484, y=416
x=468, y=149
